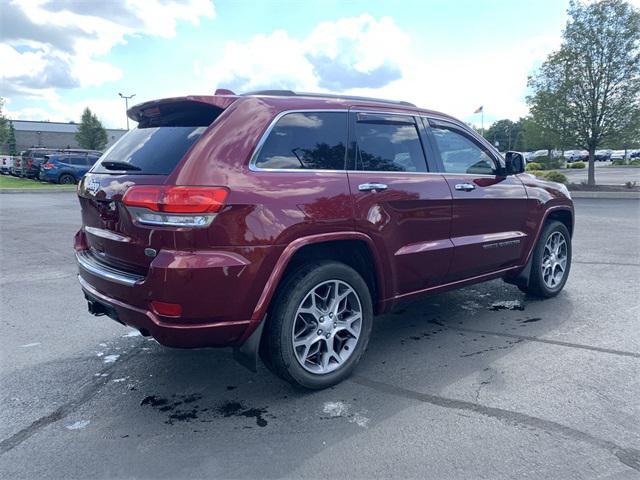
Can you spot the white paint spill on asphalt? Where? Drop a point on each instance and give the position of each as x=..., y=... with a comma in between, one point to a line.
x=79, y=425
x=29, y=345
x=102, y=344
x=111, y=358
x=335, y=409
x=507, y=305
x=343, y=410
x=132, y=333
x=99, y=354
x=118, y=380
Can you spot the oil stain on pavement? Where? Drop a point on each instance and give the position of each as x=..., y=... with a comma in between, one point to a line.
x=184, y=408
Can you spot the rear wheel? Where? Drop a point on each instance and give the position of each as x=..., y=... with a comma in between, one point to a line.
x=66, y=179
x=551, y=261
x=319, y=325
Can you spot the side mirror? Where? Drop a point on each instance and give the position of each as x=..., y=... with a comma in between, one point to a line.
x=514, y=163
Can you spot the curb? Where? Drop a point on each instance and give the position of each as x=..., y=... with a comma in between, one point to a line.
x=36, y=190
x=612, y=195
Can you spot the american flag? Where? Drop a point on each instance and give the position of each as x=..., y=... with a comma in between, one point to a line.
x=479, y=109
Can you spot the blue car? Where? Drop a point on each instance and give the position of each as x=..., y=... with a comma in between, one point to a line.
x=66, y=169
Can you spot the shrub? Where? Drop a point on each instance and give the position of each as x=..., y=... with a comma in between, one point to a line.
x=576, y=165
x=635, y=161
x=533, y=166
x=556, y=177
x=618, y=162
x=547, y=163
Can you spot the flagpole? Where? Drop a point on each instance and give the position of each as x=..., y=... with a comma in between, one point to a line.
x=482, y=120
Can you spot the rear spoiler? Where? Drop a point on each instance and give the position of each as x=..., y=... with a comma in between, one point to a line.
x=180, y=111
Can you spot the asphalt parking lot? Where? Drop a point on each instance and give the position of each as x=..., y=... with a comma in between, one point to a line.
x=477, y=383
x=605, y=175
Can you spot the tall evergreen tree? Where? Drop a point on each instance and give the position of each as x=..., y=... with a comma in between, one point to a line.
x=91, y=134
x=4, y=126
x=11, y=140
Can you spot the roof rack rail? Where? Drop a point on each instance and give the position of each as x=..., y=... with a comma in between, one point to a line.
x=291, y=93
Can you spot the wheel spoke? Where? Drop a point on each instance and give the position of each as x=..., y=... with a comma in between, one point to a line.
x=327, y=326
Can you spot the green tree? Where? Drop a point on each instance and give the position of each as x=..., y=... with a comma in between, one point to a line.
x=507, y=133
x=91, y=134
x=4, y=126
x=11, y=140
x=588, y=92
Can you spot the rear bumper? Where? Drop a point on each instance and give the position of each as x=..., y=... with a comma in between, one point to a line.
x=170, y=334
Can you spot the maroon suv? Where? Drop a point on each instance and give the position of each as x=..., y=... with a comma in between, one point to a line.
x=281, y=223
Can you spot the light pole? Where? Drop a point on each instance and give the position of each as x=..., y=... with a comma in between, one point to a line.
x=126, y=105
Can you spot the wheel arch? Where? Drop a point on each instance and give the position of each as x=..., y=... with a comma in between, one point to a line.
x=353, y=248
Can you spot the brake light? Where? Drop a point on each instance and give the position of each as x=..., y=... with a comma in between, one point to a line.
x=48, y=166
x=29, y=163
x=175, y=206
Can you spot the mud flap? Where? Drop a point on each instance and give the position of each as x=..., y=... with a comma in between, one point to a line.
x=247, y=354
x=521, y=279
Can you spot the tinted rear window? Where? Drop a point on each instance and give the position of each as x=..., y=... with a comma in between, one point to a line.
x=154, y=150
x=314, y=140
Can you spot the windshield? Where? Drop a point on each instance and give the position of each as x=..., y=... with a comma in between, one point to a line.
x=150, y=151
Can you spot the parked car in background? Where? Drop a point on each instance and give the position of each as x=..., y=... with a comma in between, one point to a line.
x=66, y=168
x=603, y=155
x=576, y=155
x=618, y=155
x=16, y=166
x=35, y=157
x=6, y=162
x=280, y=223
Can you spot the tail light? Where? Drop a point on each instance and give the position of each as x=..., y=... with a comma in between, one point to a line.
x=175, y=206
x=48, y=166
x=29, y=163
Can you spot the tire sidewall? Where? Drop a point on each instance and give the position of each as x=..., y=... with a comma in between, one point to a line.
x=66, y=175
x=549, y=229
x=287, y=314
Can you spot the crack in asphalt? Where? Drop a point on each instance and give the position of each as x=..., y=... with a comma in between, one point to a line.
x=87, y=392
x=483, y=383
x=628, y=456
x=611, y=351
x=618, y=264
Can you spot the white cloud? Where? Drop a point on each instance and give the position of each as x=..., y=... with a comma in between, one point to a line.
x=368, y=56
x=53, y=44
x=110, y=112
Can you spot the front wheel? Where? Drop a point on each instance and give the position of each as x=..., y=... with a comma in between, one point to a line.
x=551, y=261
x=319, y=325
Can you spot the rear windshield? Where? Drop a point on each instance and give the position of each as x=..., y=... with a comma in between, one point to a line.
x=153, y=150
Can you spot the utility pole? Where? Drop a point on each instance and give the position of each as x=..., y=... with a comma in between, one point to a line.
x=126, y=105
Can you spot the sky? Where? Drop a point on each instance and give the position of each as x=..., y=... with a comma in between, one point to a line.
x=59, y=56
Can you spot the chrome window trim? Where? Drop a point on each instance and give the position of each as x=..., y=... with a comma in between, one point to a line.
x=91, y=265
x=254, y=156
x=254, y=168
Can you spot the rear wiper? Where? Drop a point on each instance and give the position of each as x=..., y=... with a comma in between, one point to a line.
x=119, y=166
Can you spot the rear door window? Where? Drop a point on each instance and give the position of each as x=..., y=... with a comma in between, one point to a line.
x=387, y=143
x=306, y=141
x=152, y=150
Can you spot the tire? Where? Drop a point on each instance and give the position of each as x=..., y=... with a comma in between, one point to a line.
x=66, y=179
x=541, y=283
x=299, y=366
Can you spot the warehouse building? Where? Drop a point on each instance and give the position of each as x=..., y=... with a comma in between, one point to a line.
x=53, y=134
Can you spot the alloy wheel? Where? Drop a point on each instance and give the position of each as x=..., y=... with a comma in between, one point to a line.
x=554, y=260
x=327, y=326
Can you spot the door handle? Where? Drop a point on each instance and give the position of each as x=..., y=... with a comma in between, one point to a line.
x=372, y=187
x=465, y=187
